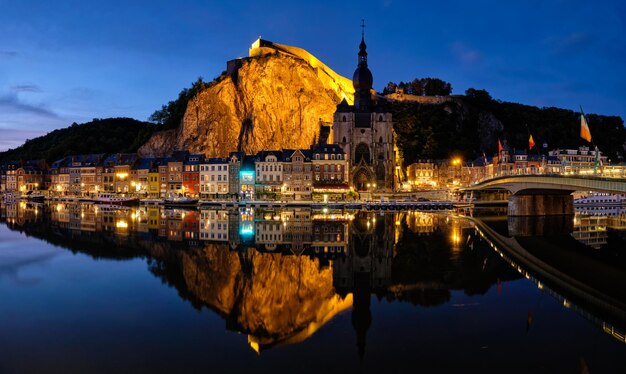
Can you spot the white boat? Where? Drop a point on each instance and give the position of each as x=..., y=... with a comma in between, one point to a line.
x=113, y=199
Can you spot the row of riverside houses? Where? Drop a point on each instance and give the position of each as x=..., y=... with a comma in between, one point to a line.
x=287, y=174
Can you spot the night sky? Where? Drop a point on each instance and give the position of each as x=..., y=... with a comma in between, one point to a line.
x=71, y=61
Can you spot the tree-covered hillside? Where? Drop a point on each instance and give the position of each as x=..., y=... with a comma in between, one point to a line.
x=469, y=125
x=109, y=135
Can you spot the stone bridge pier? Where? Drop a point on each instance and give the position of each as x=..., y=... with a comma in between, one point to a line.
x=541, y=203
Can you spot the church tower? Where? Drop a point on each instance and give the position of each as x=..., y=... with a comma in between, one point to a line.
x=365, y=132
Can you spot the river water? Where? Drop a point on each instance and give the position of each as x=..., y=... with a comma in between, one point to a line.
x=86, y=288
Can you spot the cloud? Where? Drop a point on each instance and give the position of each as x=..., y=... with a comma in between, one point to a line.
x=464, y=53
x=12, y=104
x=26, y=88
x=7, y=54
x=12, y=138
x=568, y=43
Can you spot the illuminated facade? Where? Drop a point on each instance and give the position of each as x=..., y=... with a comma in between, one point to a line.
x=214, y=177
x=297, y=174
x=269, y=174
x=365, y=132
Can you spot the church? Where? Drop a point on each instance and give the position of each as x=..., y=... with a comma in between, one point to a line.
x=365, y=132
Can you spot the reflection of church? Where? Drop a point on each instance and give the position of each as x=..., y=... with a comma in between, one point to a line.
x=365, y=132
x=366, y=268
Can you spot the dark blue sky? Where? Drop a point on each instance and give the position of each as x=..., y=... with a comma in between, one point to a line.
x=69, y=61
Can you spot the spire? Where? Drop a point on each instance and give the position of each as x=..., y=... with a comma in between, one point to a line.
x=362, y=78
x=362, y=46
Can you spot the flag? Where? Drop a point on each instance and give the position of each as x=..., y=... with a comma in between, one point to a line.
x=499, y=147
x=584, y=128
x=531, y=142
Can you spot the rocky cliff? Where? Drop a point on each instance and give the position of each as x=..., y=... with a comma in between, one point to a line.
x=273, y=99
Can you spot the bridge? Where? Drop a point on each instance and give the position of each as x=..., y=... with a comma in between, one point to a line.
x=546, y=194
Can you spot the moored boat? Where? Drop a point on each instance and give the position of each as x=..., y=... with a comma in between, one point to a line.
x=180, y=201
x=112, y=199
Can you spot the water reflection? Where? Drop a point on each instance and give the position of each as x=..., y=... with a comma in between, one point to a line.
x=280, y=275
x=580, y=260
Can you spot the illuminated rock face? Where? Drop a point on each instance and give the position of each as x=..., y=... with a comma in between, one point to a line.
x=274, y=298
x=272, y=100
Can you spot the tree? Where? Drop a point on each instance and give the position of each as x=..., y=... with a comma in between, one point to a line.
x=436, y=87
x=172, y=114
x=421, y=87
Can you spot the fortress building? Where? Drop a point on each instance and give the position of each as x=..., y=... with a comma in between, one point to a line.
x=365, y=132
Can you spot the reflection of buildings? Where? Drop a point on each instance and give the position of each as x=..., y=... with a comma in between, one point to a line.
x=269, y=234
x=330, y=238
x=590, y=230
x=422, y=223
x=214, y=225
x=297, y=226
x=593, y=230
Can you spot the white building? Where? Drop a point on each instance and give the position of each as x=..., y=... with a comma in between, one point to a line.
x=214, y=177
x=269, y=174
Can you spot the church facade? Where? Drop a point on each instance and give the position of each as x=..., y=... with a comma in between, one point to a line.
x=365, y=132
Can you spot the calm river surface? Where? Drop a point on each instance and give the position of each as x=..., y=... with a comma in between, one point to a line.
x=86, y=288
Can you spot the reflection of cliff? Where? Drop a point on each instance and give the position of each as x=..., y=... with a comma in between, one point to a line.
x=280, y=299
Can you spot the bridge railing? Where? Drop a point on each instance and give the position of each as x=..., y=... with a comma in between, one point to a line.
x=610, y=172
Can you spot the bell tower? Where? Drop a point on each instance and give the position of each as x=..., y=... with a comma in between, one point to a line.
x=365, y=131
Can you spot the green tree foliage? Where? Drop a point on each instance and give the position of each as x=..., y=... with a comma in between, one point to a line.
x=109, y=135
x=421, y=87
x=172, y=114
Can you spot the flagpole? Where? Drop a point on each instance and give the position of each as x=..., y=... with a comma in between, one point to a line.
x=595, y=147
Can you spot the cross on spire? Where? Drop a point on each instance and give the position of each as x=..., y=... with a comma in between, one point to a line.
x=362, y=28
